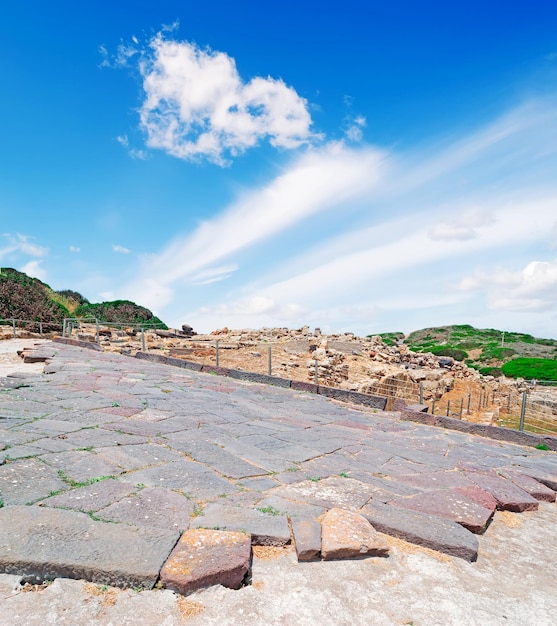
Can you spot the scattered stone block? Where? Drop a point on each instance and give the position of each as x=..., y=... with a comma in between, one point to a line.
x=41, y=543
x=203, y=558
x=347, y=535
x=307, y=538
x=536, y=489
x=510, y=497
x=429, y=531
x=28, y=480
x=452, y=504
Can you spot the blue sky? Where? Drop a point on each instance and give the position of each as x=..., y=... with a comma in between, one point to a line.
x=366, y=167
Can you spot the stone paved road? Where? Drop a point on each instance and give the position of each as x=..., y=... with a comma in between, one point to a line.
x=118, y=456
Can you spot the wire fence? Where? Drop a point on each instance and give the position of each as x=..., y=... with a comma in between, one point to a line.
x=533, y=409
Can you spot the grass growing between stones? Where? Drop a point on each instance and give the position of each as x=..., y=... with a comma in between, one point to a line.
x=76, y=484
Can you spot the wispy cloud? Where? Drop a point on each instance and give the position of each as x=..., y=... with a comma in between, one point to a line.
x=74, y=249
x=120, y=249
x=135, y=153
x=461, y=227
x=22, y=244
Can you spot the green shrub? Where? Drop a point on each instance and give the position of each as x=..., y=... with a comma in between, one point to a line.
x=120, y=312
x=455, y=353
x=542, y=369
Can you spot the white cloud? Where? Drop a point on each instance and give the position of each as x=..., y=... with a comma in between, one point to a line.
x=74, y=249
x=23, y=244
x=213, y=274
x=317, y=181
x=34, y=269
x=135, y=153
x=198, y=106
x=354, y=128
x=533, y=288
x=120, y=249
x=462, y=227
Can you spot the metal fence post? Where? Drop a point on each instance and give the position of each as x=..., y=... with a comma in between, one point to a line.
x=217, y=352
x=433, y=407
x=448, y=408
x=269, y=360
x=421, y=393
x=316, y=372
x=480, y=402
x=41, y=328
x=523, y=411
x=143, y=338
x=13, y=324
x=461, y=407
x=97, y=335
x=468, y=407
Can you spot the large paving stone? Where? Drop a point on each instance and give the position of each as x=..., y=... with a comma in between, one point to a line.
x=204, y=557
x=24, y=482
x=90, y=498
x=266, y=527
x=510, y=497
x=452, y=504
x=42, y=544
x=329, y=493
x=153, y=507
x=425, y=530
x=191, y=478
x=81, y=465
x=347, y=535
x=530, y=485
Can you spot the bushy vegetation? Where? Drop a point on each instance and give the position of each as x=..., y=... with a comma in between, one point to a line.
x=121, y=312
x=456, y=353
x=391, y=339
x=26, y=298
x=542, y=369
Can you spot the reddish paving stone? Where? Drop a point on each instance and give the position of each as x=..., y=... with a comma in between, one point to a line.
x=307, y=538
x=436, y=480
x=509, y=496
x=530, y=485
x=429, y=531
x=479, y=495
x=452, y=504
x=347, y=535
x=203, y=558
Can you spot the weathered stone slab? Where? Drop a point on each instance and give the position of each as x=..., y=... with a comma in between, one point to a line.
x=347, y=535
x=24, y=482
x=510, y=497
x=436, y=479
x=90, y=498
x=153, y=507
x=189, y=477
x=453, y=505
x=424, y=530
x=536, y=489
x=43, y=544
x=475, y=493
x=138, y=456
x=203, y=558
x=307, y=538
x=265, y=526
x=81, y=465
x=329, y=493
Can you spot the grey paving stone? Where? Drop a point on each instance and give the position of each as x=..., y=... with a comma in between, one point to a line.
x=510, y=497
x=25, y=481
x=265, y=528
x=99, y=437
x=191, y=478
x=329, y=493
x=307, y=538
x=293, y=510
x=90, y=498
x=152, y=507
x=436, y=479
x=429, y=531
x=138, y=456
x=530, y=485
x=258, y=483
x=203, y=558
x=452, y=504
x=81, y=465
x=41, y=543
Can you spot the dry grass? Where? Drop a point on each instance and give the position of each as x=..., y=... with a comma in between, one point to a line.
x=28, y=587
x=509, y=519
x=107, y=595
x=410, y=548
x=188, y=608
x=268, y=553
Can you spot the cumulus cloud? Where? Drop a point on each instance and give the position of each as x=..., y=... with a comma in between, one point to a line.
x=197, y=105
x=120, y=249
x=34, y=269
x=354, y=128
x=533, y=288
x=462, y=227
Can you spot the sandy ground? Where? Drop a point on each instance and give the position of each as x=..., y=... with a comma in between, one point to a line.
x=11, y=362
x=514, y=582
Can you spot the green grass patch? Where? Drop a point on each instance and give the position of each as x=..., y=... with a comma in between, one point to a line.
x=541, y=369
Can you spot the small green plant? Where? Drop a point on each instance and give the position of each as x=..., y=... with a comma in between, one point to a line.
x=542, y=446
x=315, y=479
x=115, y=404
x=343, y=475
x=197, y=510
x=269, y=510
